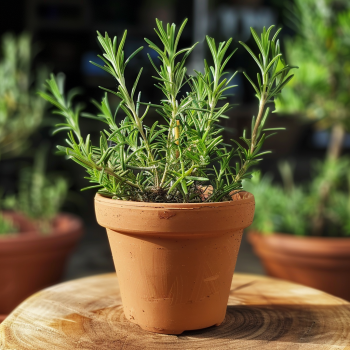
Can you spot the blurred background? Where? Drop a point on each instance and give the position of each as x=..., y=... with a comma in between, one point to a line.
x=61, y=37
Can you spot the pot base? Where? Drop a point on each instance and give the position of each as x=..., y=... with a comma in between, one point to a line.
x=172, y=331
x=161, y=330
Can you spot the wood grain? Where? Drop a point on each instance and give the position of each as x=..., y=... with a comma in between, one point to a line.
x=263, y=313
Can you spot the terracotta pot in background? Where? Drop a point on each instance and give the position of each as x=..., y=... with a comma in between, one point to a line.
x=319, y=262
x=30, y=261
x=175, y=262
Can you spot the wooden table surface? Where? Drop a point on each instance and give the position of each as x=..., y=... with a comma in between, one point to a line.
x=263, y=313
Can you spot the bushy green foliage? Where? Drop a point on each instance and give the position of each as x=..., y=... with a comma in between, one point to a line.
x=321, y=48
x=40, y=196
x=174, y=161
x=21, y=110
x=291, y=208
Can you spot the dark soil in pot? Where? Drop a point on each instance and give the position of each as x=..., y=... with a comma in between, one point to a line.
x=30, y=261
x=319, y=262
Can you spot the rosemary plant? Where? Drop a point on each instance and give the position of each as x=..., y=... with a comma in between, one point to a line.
x=175, y=161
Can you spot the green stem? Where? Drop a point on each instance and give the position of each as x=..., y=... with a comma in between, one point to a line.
x=131, y=106
x=111, y=172
x=172, y=125
x=257, y=124
x=253, y=139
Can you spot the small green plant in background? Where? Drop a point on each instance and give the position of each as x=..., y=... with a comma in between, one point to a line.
x=21, y=110
x=6, y=226
x=174, y=161
x=40, y=196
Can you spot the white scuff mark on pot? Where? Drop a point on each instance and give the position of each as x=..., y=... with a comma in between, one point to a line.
x=211, y=278
x=165, y=214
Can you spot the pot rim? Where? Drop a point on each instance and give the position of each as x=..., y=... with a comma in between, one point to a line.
x=291, y=236
x=306, y=246
x=242, y=197
x=175, y=219
x=32, y=235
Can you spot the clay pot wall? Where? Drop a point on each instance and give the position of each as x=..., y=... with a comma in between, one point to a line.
x=175, y=262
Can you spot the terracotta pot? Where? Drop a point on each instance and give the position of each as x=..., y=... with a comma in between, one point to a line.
x=30, y=261
x=175, y=262
x=318, y=262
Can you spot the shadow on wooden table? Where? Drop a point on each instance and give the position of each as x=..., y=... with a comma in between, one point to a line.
x=283, y=323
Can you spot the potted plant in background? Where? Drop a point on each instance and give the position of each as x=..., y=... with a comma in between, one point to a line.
x=35, y=241
x=316, y=252
x=171, y=200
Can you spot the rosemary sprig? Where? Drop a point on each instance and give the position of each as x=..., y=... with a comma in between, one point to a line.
x=271, y=81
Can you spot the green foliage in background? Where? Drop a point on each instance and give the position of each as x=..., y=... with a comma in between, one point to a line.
x=21, y=110
x=40, y=196
x=170, y=162
x=321, y=48
x=291, y=208
x=21, y=113
x=6, y=225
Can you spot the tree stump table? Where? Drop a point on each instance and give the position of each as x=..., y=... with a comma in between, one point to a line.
x=262, y=313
